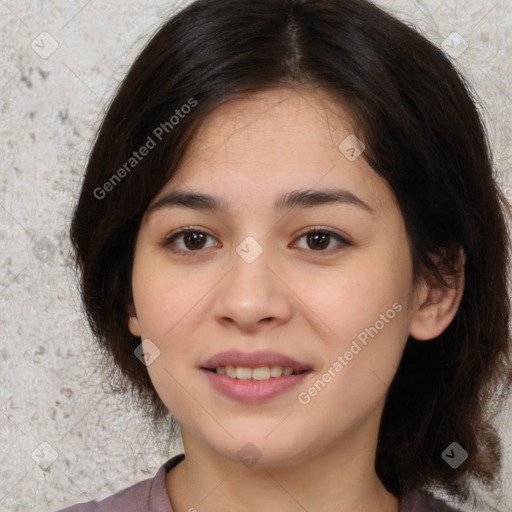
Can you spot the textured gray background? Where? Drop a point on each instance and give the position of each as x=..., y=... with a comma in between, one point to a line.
x=52, y=391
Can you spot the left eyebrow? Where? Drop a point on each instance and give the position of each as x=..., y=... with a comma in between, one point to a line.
x=291, y=200
x=309, y=198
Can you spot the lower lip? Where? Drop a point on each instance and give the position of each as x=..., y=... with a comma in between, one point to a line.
x=253, y=390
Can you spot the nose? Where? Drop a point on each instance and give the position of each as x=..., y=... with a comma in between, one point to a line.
x=254, y=295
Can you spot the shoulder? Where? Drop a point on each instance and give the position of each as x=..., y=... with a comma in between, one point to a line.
x=131, y=498
x=148, y=495
x=423, y=501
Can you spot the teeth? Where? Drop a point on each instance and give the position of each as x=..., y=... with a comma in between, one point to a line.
x=243, y=373
x=276, y=371
x=260, y=373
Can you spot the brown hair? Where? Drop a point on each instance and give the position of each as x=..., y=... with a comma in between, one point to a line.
x=423, y=134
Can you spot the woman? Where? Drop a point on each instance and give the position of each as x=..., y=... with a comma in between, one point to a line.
x=290, y=238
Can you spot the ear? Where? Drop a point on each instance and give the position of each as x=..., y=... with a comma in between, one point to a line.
x=437, y=304
x=133, y=321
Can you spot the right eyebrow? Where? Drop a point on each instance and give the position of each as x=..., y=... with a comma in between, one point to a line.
x=195, y=201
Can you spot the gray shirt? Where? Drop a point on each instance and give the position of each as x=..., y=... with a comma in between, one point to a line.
x=151, y=496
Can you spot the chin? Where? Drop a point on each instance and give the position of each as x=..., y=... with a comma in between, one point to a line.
x=279, y=450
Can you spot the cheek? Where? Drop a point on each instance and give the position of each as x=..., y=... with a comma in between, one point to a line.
x=350, y=299
x=361, y=354
x=163, y=295
x=363, y=310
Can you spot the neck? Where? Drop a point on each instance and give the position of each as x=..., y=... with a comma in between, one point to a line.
x=340, y=478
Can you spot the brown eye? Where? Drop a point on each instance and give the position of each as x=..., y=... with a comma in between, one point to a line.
x=321, y=239
x=318, y=240
x=187, y=241
x=190, y=240
x=194, y=240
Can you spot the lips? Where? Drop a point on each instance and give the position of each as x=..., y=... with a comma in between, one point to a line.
x=253, y=360
x=230, y=374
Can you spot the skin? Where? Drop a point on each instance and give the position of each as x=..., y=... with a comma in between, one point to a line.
x=305, y=303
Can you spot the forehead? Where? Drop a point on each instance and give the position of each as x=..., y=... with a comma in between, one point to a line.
x=276, y=119
x=267, y=143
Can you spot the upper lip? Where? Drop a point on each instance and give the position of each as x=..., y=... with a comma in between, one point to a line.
x=253, y=360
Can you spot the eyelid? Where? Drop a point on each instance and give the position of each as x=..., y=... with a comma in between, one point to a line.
x=323, y=229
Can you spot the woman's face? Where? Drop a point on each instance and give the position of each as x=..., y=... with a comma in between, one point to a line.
x=249, y=279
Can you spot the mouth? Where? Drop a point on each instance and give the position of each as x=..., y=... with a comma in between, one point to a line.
x=253, y=376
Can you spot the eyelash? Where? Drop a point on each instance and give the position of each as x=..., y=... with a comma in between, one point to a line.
x=169, y=240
